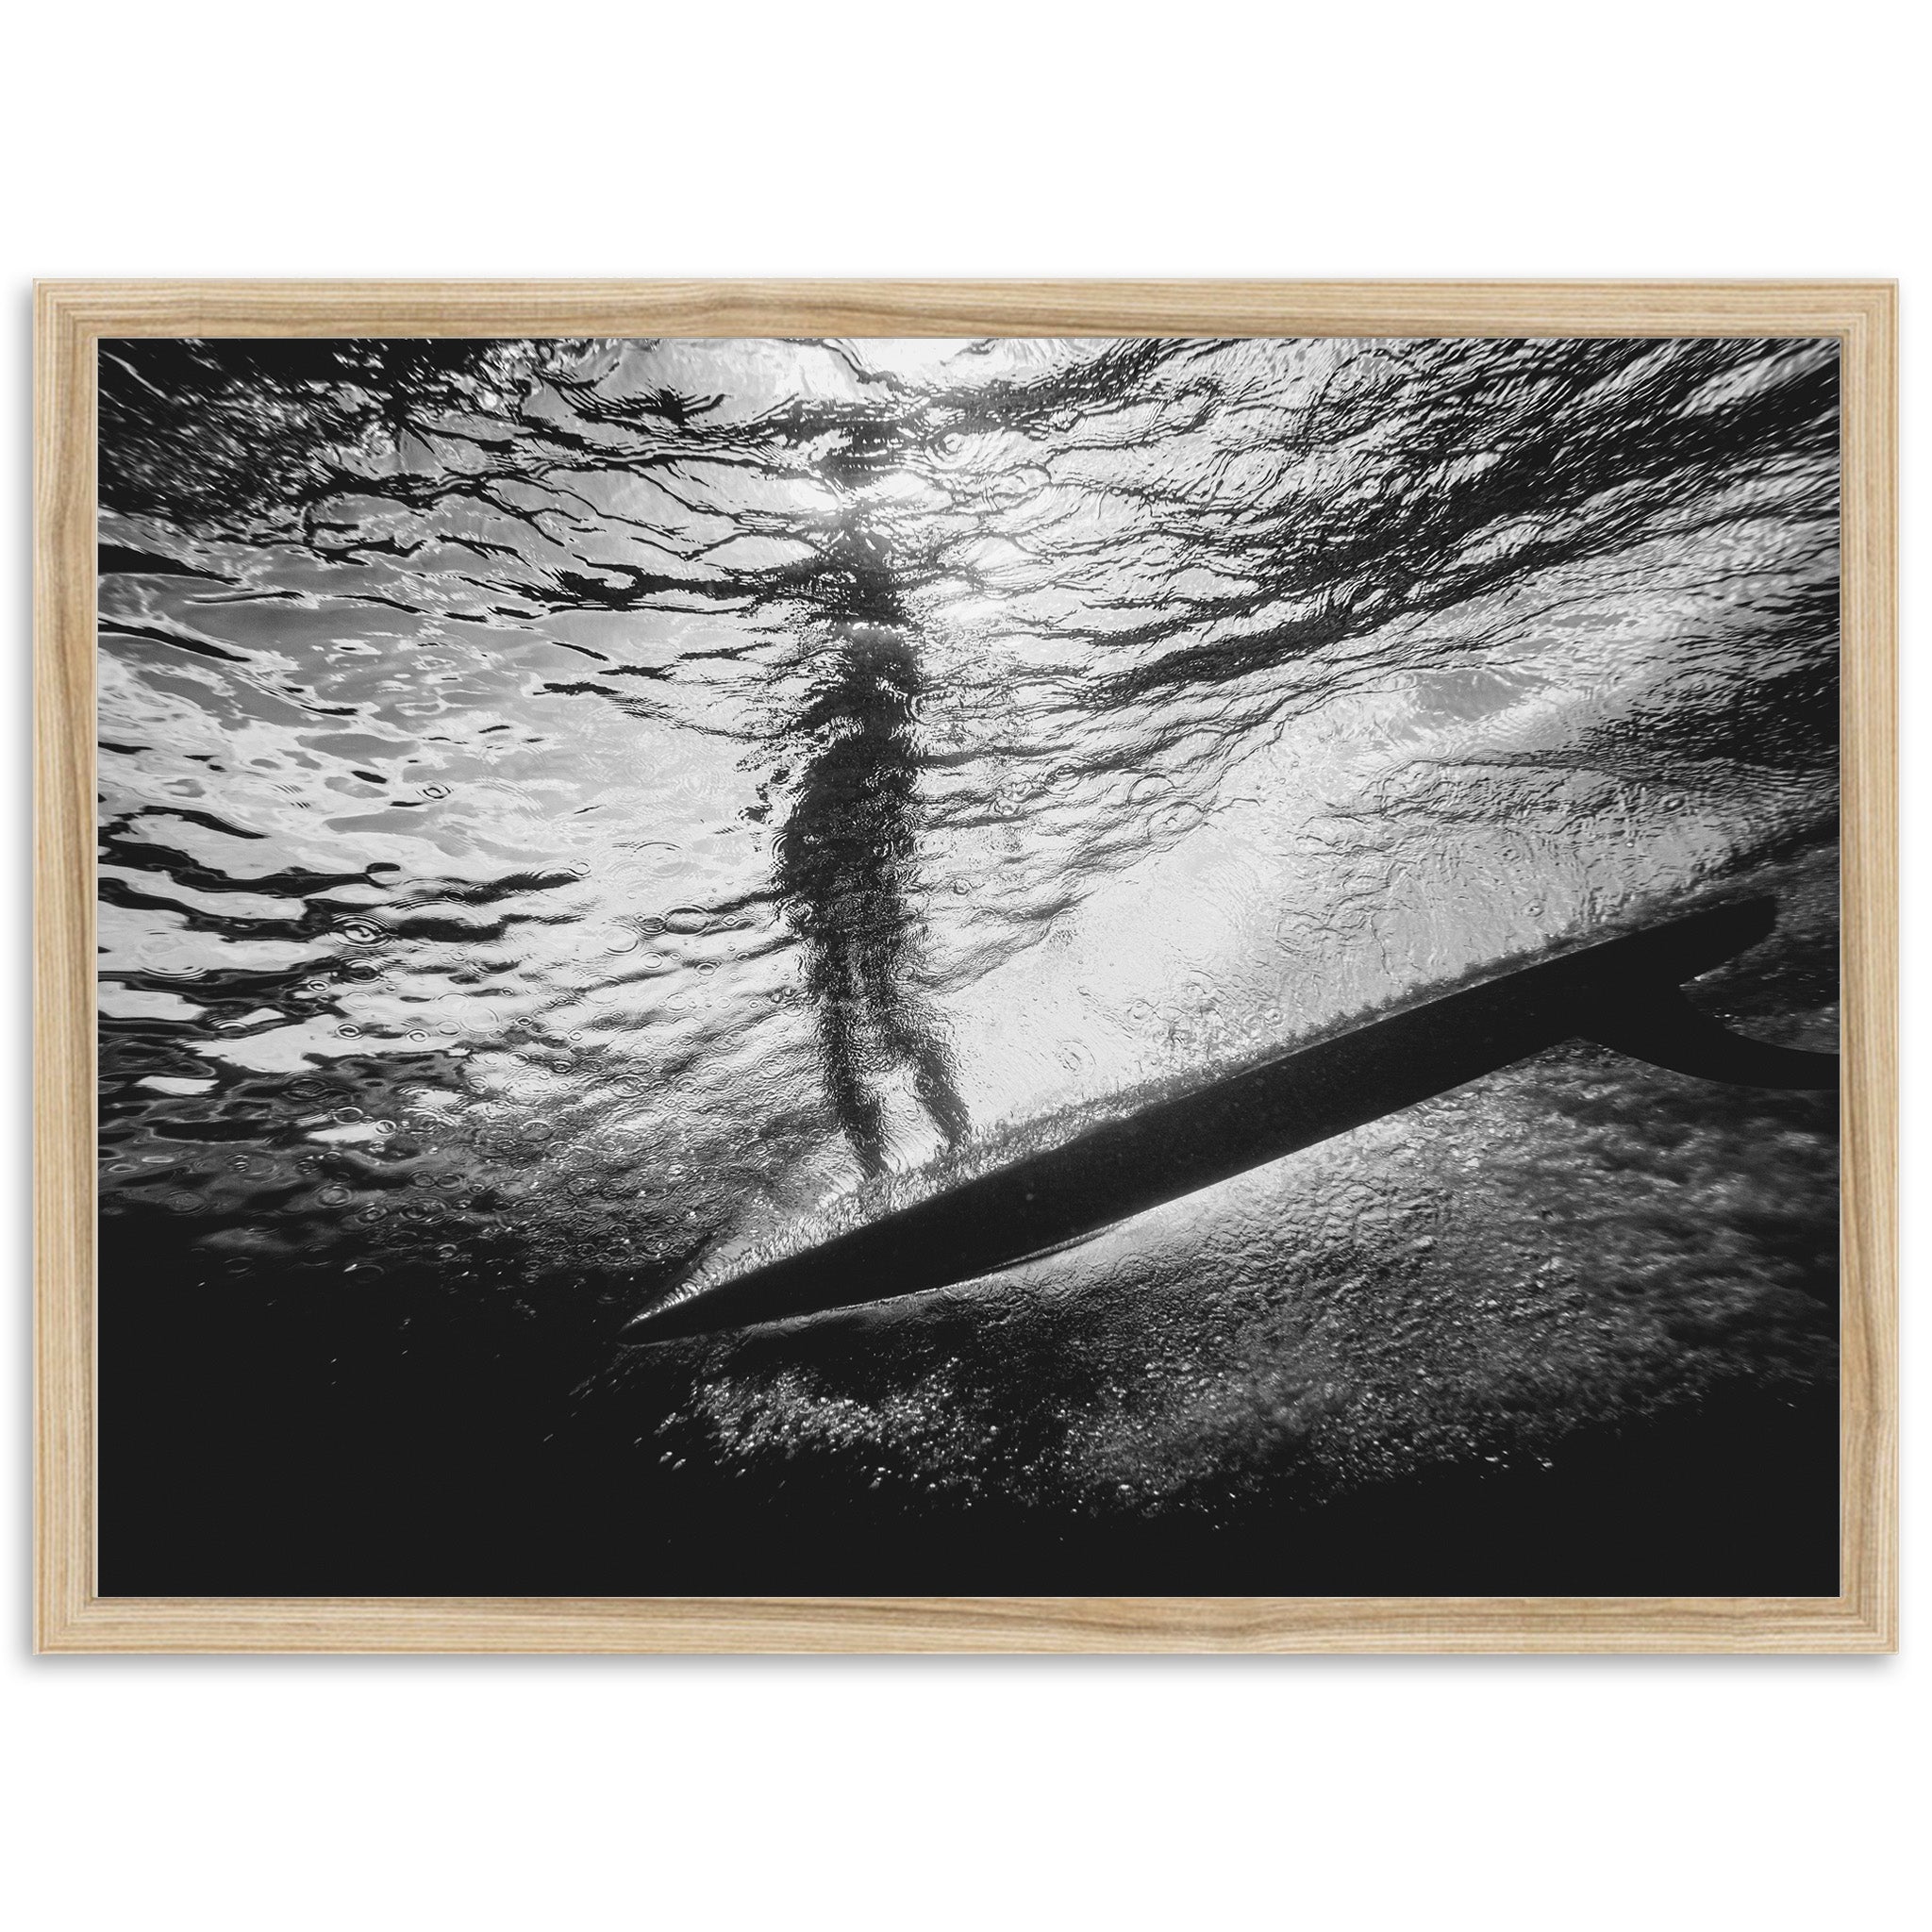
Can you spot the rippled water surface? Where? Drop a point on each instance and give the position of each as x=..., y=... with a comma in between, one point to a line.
x=573, y=812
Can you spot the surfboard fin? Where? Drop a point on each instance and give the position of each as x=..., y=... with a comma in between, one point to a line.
x=1662, y=1026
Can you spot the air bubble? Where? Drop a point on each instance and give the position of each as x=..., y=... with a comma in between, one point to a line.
x=174, y=958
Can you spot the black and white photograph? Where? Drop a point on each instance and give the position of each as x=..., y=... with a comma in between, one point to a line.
x=1055, y=966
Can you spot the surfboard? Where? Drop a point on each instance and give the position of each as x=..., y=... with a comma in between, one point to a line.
x=1624, y=992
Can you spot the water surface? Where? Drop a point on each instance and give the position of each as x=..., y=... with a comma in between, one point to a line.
x=572, y=812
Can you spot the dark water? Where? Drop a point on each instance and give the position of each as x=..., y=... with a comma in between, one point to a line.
x=573, y=812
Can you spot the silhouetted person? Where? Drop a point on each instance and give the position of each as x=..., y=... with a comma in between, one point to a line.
x=847, y=866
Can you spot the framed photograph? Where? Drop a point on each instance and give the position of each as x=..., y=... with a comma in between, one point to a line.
x=963, y=966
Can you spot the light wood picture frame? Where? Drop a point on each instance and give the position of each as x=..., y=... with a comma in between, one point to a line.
x=74, y=316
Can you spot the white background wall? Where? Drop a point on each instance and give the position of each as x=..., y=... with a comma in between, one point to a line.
x=1638, y=139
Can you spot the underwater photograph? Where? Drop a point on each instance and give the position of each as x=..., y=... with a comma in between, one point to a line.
x=1084, y=966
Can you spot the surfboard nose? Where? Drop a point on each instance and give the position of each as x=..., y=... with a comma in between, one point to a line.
x=668, y=1321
